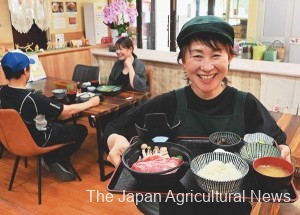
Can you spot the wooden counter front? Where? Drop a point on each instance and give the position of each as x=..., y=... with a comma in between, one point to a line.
x=60, y=63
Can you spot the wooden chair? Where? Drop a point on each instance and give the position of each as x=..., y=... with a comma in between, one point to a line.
x=149, y=73
x=84, y=73
x=15, y=137
x=1, y=149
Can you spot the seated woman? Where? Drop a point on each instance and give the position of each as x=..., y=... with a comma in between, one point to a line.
x=128, y=71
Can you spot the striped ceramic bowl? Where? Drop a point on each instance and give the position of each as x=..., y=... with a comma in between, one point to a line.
x=251, y=151
x=258, y=138
x=225, y=183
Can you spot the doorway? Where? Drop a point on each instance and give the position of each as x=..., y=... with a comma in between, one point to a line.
x=161, y=21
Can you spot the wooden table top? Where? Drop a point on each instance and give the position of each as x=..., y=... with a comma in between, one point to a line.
x=290, y=124
x=110, y=103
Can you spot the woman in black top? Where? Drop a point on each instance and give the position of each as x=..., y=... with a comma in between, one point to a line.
x=205, y=106
x=128, y=71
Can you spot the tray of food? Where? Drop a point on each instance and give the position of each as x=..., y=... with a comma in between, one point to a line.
x=126, y=180
x=83, y=97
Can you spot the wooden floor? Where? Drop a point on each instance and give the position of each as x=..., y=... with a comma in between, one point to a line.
x=80, y=198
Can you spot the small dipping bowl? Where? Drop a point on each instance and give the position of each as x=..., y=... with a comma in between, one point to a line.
x=91, y=89
x=95, y=83
x=71, y=94
x=59, y=93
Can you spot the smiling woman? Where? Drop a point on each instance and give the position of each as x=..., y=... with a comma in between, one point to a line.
x=128, y=71
x=205, y=106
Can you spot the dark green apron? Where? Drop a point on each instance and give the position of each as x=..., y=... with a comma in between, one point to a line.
x=193, y=123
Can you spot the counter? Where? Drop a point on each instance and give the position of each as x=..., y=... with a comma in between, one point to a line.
x=257, y=77
x=276, y=84
x=237, y=64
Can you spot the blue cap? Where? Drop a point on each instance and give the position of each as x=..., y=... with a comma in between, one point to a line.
x=16, y=60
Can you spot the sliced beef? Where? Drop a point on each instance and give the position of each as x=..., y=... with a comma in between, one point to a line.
x=156, y=163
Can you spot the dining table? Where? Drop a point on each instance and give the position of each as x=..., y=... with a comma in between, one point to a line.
x=111, y=104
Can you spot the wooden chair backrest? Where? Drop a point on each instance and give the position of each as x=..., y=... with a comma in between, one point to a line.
x=16, y=138
x=149, y=73
x=85, y=73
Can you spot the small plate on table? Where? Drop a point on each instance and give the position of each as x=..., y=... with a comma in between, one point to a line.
x=85, y=96
x=109, y=89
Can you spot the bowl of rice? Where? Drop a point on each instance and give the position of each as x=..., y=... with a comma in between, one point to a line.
x=219, y=172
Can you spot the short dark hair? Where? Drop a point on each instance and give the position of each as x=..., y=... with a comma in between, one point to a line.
x=124, y=42
x=9, y=75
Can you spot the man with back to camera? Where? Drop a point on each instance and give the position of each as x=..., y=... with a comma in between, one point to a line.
x=41, y=114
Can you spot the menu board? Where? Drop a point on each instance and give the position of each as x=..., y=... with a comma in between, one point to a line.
x=95, y=29
x=37, y=71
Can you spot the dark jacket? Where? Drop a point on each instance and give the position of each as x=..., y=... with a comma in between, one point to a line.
x=140, y=78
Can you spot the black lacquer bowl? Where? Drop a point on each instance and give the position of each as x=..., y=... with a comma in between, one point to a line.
x=132, y=154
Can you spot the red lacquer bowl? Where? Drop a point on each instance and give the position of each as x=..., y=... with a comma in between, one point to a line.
x=275, y=182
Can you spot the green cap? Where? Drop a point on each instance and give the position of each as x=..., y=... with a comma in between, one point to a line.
x=206, y=24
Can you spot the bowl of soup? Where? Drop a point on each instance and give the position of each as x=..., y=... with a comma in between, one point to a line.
x=273, y=173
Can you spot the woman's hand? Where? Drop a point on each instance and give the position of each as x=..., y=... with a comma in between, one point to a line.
x=117, y=145
x=128, y=69
x=128, y=61
x=285, y=152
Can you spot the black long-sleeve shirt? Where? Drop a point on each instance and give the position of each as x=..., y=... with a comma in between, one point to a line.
x=257, y=117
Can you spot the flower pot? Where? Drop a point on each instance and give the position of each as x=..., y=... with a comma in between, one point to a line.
x=114, y=35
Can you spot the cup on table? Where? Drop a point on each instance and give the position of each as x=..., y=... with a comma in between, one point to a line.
x=71, y=86
x=103, y=80
x=71, y=94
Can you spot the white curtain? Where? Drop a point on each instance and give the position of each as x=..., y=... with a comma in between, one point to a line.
x=23, y=12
